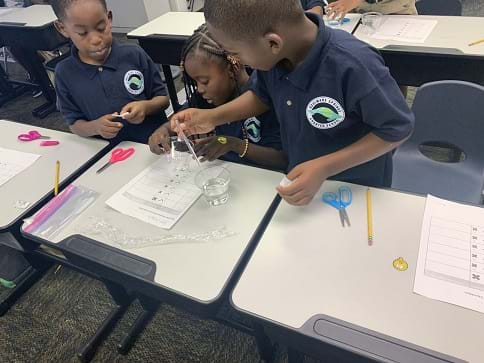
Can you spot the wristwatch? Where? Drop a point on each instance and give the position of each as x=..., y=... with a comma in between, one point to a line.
x=373, y=1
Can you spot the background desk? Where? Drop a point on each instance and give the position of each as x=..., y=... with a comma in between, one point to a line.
x=309, y=275
x=444, y=55
x=195, y=274
x=35, y=184
x=29, y=30
x=163, y=39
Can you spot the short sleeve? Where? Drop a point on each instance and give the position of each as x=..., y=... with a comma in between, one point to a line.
x=258, y=85
x=372, y=93
x=270, y=131
x=155, y=86
x=65, y=102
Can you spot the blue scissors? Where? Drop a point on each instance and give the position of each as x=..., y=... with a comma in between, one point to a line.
x=340, y=202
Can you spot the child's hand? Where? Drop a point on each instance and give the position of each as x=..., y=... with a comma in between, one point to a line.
x=107, y=127
x=193, y=121
x=306, y=180
x=213, y=147
x=136, y=112
x=160, y=137
x=339, y=8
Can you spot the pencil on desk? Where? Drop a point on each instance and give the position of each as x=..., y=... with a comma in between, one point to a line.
x=369, y=216
x=476, y=42
x=56, y=182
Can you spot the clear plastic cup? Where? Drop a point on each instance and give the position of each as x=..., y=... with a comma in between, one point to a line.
x=214, y=182
x=371, y=22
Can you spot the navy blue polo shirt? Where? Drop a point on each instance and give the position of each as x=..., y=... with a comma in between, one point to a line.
x=262, y=130
x=309, y=4
x=87, y=92
x=340, y=92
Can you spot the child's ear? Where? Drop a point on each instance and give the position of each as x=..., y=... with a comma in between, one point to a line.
x=59, y=25
x=275, y=42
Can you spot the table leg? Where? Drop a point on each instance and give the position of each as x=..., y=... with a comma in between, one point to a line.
x=150, y=307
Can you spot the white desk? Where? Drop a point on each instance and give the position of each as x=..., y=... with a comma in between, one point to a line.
x=308, y=274
x=36, y=182
x=198, y=271
x=446, y=53
x=173, y=23
x=33, y=16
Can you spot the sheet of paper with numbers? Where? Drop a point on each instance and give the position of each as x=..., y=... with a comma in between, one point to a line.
x=13, y=162
x=451, y=256
x=159, y=195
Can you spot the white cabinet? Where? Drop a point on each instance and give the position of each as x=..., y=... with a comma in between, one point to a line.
x=185, y=5
x=131, y=14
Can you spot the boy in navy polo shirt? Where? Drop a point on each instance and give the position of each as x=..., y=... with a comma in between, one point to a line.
x=105, y=88
x=340, y=111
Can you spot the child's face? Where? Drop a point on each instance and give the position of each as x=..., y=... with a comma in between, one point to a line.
x=262, y=53
x=88, y=25
x=215, y=82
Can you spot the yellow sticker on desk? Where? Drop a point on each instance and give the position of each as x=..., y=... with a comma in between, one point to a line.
x=400, y=264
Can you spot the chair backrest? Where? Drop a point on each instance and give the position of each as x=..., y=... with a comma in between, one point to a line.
x=439, y=7
x=449, y=112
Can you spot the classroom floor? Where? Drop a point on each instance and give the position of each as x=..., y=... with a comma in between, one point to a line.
x=61, y=312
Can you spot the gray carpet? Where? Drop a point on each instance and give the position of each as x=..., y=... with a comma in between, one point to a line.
x=58, y=314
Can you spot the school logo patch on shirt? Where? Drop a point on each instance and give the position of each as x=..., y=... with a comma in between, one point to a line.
x=134, y=82
x=252, y=125
x=324, y=113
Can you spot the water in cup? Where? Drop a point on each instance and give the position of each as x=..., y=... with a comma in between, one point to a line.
x=215, y=191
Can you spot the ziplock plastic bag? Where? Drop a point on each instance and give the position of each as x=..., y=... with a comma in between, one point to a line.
x=60, y=211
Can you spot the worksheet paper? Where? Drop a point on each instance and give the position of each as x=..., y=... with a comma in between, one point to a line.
x=159, y=195
x=450, y=263
x=402, y=29
x=13, y=162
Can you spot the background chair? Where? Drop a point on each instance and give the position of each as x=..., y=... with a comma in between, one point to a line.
x=446, y=113
x=439, y=7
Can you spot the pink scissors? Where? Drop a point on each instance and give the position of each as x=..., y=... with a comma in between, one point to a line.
x=35, y=135
x=117, y=155
x=31, y=136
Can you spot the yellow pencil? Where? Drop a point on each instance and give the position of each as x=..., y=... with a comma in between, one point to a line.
x=56, y=182
x=476, y=42
x=369, y=216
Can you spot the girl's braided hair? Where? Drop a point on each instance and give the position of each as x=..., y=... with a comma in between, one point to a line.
x=202, y=41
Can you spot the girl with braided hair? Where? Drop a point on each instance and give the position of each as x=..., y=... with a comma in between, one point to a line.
x=212, y=78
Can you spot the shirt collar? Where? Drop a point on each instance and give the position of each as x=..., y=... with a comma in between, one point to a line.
x=304, y=73
x=90, y=69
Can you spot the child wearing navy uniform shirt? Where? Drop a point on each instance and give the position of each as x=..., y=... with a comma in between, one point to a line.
x=341, y=113
x=213, y=78
x=105, y=88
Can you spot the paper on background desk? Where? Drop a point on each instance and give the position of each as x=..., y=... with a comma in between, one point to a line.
x=159, y=195
x=13, y=162
x=450, y=263
x=400, y=29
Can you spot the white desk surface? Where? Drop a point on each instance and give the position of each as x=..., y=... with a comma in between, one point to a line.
x=33, y=16
x=451, y=32
x=198, y=270
x=172, y=23
x=4, y=11
x=37, y=181
x=307, y=264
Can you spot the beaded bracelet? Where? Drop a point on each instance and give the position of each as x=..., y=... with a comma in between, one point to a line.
x=245, y=148
x=246, y=139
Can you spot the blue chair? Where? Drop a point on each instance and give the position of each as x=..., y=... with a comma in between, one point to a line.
x=439, y=7
x=446, y=113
